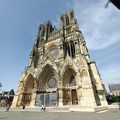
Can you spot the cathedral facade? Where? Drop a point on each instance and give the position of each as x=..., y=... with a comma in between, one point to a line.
x=60, y=71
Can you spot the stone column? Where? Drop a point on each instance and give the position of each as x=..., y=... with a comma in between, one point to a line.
x=79, y=95
x=70, y=95
x=81, y=49
x=32, y=103
x=60, y=97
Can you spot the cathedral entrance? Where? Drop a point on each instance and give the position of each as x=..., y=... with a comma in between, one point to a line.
x=74, y=97
x=47, y=87
x=26, y=99
x=46, y=98
x=66, y=97
x=70, y=97
x=26, y=96
x=69, y=87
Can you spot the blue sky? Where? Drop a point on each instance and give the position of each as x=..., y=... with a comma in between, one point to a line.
x=19, y=21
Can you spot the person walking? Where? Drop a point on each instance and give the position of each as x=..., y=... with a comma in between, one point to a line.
x=23, y=107
x=43, y=108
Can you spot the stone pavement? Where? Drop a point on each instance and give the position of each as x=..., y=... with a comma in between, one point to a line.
x=113, y=114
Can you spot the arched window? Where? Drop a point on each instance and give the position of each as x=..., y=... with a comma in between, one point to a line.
x=29, y=84
x=72, y=14
x=69, y=50
x=36, y=60
x=72, y=49
x=67, y=20
x=37, y=43
x=42, y=31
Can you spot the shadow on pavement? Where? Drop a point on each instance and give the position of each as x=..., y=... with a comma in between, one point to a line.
x=3, y=118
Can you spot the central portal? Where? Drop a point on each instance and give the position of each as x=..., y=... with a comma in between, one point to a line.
x=47, y=93
x=46, y=98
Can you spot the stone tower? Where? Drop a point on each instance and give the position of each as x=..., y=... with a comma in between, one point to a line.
x=60, y=71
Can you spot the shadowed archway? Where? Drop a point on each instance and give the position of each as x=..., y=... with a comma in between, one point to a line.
x=28, y=86
x=69, y=87
x=47, y=87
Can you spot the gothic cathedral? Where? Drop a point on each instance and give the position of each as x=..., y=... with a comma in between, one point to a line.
x=60, y=72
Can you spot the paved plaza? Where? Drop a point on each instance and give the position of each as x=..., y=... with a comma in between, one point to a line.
x=113, y=114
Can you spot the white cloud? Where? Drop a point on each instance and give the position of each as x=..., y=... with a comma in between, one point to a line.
x=101, y=29
x=110, y=74
x=100, y=26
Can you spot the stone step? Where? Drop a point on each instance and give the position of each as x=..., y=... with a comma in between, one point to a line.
x=88, y=109
x=62, y=109
x=100, y=108
x=38, y=109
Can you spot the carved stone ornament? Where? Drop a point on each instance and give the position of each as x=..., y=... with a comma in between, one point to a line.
x=51, y=82
x=54, y=53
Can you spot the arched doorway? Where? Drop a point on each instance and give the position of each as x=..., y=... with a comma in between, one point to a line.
x=69, y=87
x=28, y=86
x=47, y=93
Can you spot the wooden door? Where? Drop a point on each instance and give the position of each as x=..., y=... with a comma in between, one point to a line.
x=74, y=97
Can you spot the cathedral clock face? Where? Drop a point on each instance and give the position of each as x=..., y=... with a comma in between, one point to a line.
x=51, y=82
x=54, y=53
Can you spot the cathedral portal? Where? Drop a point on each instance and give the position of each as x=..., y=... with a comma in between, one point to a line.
x=47, y=92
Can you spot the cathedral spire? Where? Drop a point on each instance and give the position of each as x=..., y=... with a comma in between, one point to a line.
x=68, y=19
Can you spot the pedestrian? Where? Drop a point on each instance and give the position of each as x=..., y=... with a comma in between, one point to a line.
x=23, y=106
x=43, y=108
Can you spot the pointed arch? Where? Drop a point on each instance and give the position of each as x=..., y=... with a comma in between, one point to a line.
x=84, y=73
x=28, y=86
x=67, y=20
x=72, y=14
x=47, y=73
x=69, y=84
x=72, y=45
x=68, y=78
x=70, y=63
x=62, y=20
x=29, y=83
x=85, y=76
x=42, y=32
x=36, y=60
x=48, y=62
